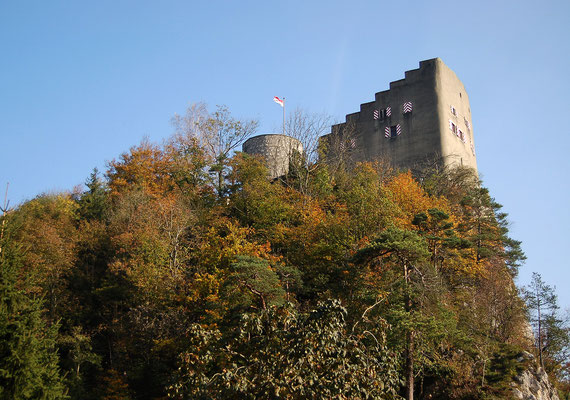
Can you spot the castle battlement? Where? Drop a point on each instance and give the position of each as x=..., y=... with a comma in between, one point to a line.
x=425, y=116
x=422, y=118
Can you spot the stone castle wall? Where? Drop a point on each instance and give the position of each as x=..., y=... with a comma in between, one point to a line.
x=422, y=118
x=276, y=150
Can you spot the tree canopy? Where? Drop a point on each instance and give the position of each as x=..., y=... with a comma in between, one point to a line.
x=184, y=272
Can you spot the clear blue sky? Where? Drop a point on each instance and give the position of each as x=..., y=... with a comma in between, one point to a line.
x=81, y=82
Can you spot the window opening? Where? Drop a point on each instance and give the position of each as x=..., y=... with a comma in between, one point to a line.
x=392, y=131
x=461, y=135
x=452, y=127
x=381, y=114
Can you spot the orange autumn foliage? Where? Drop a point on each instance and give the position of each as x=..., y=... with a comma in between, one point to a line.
x=404, y=191
x=227, y=240
x=145, y=166
x=411, y=199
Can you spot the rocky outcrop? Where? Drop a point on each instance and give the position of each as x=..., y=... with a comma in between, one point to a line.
x=532, y=382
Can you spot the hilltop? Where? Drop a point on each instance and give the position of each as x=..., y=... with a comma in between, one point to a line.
x=184, y=271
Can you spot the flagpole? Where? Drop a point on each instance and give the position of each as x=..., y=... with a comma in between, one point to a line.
x=283, y=115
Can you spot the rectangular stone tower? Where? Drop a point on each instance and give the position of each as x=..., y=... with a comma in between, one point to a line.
x=423, y=118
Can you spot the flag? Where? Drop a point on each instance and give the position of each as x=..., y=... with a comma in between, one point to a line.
x=279, y=101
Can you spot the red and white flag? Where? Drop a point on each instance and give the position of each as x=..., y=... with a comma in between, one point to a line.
x=279, y=101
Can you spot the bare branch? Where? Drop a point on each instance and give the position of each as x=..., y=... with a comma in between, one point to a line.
x=366, y=311
x=4, y=209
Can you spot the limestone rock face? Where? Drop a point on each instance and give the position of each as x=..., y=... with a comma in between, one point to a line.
x=532, y=383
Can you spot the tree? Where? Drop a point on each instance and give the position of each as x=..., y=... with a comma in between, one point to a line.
x=556, y=345
x=5, y=209
x=28, y=355
x=308, y=128
x=479, y=218
x=339, y=150
x=93, y=202
x=449, y=252
x=78, y=345
x=188, y=163
x=253, y=199
x=144, y=167
x=46, y=228
x=218, y=133
x=281, y=353
x=151, y=236
x=254, y=283
x=483, y=223
x=542, y=302
x=366, y=201
x=403, y=249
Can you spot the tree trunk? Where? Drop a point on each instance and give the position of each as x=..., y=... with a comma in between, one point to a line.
x=410, y=367
x=539, y=329
x=410, y=342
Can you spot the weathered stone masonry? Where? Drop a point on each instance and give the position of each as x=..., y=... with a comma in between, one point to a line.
x=423, y=118
x=276, y=150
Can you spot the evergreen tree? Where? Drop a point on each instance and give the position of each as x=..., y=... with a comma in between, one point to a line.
x=542, y=304
x=402, y=250
x=93, y=202
x=28, y=357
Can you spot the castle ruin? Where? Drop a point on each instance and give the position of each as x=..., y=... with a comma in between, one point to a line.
x=276, y=150
x=423, y=118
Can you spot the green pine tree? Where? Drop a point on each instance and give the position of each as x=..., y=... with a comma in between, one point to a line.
x=28, y=356
x=93, y=202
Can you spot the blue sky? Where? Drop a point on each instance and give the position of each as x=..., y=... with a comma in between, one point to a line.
x=81, y=82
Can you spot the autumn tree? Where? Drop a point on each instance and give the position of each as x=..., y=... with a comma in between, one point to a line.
x=46, y=228
x=144, y=167
x=254, y=200
x=151, y=235
x=78, y=354
x=218, y=133
x=308, y=128
x=365, y=198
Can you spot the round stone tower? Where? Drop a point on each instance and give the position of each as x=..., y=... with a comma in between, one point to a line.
x=276, y=150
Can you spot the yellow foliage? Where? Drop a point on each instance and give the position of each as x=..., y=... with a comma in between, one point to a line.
x=404, y=191
x=226, y=240
x=145, y=166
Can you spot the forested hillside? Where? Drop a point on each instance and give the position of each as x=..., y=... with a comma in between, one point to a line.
x=183, y=272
